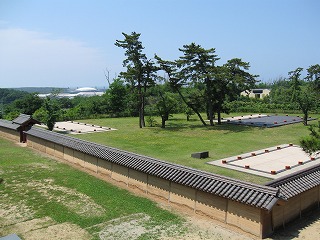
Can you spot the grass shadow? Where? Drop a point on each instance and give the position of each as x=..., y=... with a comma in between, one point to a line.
x=183, y=126
x=233, y=128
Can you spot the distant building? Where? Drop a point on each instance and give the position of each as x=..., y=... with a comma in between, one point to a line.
x=87, y=92
x=83, y=92
x=256, y=93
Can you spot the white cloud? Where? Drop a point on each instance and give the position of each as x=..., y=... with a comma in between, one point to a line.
x=29, y=58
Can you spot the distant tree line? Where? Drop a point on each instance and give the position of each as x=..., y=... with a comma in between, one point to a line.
x=9, y=95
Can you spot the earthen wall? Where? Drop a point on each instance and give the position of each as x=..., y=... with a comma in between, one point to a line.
x=10, y=134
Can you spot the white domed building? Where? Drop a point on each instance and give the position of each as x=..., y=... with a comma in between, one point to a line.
x=87, y=92
x=82, y=92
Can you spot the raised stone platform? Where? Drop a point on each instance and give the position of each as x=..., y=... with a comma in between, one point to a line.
x=271, y=162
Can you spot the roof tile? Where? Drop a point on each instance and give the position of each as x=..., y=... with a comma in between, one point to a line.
x=297, y=182
x=9, y=124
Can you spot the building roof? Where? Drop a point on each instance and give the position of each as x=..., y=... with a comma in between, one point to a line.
x=86, y=89
x=81, y=92
x=298, y=182
x=16, y=123
x=9, y=124
x=248, y=193
x=24, y=119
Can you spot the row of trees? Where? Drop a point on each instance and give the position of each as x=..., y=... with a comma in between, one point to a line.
x=161, y=100
x=195, y=69
x=202, y=84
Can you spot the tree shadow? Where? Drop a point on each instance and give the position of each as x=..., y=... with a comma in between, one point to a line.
x=224, y=127
x=232, y=128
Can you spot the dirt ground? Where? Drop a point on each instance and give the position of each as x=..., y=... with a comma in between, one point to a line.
x=132, y=227
x=21, y=220
x=307, y=228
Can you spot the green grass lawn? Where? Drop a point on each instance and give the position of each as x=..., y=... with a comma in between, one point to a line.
x=180, y=138
x=38, y=186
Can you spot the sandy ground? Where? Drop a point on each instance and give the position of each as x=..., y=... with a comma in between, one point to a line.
x=72, y=127
x=202, y=227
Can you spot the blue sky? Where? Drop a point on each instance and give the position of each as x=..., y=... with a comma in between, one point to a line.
x=58, y=43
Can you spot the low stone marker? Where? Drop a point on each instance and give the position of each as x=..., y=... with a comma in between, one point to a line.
x=200, y=154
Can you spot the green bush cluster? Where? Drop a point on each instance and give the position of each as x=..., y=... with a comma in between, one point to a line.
x=261, y=106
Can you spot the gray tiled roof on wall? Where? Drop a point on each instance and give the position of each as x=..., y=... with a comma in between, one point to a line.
x=24, y=119
x=248, y=193
x=9, y=124
x=21, y=119
x=298, y=182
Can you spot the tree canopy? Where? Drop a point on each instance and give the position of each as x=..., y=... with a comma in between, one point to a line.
x=311, y=143
x=197, y=68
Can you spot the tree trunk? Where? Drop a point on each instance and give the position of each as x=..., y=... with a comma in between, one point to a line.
x=190, y=106
x=209, y=101
x=140, y=117
x=305, y=107
x=144, y=102
x=305, y=118
x=163, y=121
x=142, y=112
x=210, y=112
x=219, y=116
x=141, y=106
